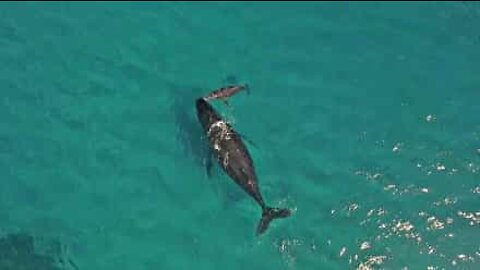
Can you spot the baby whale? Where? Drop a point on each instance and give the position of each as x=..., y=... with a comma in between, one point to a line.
x=232, y=155
x=225, y=92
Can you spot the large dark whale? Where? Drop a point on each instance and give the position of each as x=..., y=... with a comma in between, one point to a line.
x=234, y=158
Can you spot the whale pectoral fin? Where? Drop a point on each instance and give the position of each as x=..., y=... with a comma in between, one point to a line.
x=209, y=164
x=225, y=100
x=249, y=141
x=208, y=161
x=252, y=143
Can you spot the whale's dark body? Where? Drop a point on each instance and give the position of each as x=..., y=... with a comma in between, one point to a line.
x=233, y=156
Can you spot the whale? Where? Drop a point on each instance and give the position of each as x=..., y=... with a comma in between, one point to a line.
x=232, y=155
x=224, y=93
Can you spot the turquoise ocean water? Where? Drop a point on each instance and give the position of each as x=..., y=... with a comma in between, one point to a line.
x=366, y=117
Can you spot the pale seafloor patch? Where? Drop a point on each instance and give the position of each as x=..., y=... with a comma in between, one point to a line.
x=365, y=116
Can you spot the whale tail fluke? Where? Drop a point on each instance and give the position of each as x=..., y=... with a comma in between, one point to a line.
x=270, y=214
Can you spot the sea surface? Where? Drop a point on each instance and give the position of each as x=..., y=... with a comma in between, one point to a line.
x=362, y=118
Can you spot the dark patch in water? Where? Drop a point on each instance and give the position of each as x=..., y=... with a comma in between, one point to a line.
x=230, y=80
x=189, y=131
x=22, y=251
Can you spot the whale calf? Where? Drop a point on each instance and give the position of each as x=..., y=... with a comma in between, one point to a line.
x=226, y=92
x=233, y=156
